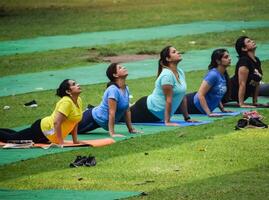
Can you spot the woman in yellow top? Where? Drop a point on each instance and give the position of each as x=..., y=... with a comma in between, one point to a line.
x=54, y=128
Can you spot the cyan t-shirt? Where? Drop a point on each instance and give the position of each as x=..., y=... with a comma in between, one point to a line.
x=156, y=101
x=101, y=113
x=218, y=88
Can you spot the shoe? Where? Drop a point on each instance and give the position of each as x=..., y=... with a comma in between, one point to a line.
x=79, y=161
x=241, y=123
x=257, y=123
x=91, y=161
x=31, y=104
x=90, y=106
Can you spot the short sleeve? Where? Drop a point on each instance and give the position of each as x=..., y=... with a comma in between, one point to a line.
x=113, y=93
x=211, y=78
x=243, y=62
x=166, y=80
x=65, y=108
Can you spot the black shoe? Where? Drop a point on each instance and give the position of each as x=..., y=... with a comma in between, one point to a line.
x=91, y=161
x=242, y=123
x=80, y=161
x=31, y=104
x=257, y=123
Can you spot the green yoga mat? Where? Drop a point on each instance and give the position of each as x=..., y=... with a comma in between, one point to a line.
x=13, y=155
x=64, y=194
x=109, y=37
x=24, y=83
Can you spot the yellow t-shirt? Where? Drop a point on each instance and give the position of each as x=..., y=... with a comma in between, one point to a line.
x=73, y=114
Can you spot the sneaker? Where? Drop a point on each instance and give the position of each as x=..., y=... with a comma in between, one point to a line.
x=257, y=123
x=31, y=104
x=79, y=161
x=241, y=123
x=91, y=161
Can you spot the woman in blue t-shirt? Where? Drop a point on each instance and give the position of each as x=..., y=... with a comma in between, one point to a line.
x=114, y=105
x=213, y=87
x=169, y=91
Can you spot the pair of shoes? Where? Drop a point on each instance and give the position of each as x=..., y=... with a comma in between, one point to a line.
x=251, y=123
x=83, y=161
x=31, y=104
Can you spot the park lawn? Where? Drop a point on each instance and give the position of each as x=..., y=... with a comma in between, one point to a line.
x=212, y=161
x=92, y=94
x=77, y=57
x=32, y=18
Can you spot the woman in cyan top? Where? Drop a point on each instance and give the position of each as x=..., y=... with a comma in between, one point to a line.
x=213, y=87
x=114, y=105
x=54, y=128
x=169, y=91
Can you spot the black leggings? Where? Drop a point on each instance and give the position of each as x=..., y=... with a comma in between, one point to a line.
x=32, y=133
x=140, y=112
x=264, y=89
x=190, y=104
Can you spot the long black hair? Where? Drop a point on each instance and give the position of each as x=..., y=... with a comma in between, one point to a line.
x=165, y=53
x=63, y=87
x=239, y=44
x=111, y=70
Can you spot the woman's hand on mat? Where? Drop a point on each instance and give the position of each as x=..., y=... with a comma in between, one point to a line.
x=171, y=124
x=134, y=131
x=214, y=115
x=117, y=135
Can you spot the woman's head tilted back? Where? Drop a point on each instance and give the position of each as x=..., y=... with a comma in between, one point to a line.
x=216, y=58
x=240, y=44
x=63, y=88
x=110, y=73
x=68, y=87
x=168, y=55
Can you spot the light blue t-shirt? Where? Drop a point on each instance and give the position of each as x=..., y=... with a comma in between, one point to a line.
x=218, y=88
x=101, y=113
x=156, y=101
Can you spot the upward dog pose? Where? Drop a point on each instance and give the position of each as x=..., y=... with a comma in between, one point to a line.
x=248, y=74
x=54, y=128
x=169, y=91
x=213, y=87
x=114, y=105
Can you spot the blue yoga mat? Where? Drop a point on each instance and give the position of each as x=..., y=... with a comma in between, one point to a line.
x=181, y=123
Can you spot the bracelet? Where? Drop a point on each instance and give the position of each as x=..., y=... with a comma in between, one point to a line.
x=187, y=118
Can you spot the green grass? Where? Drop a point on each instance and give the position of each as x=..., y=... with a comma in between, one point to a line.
x=35, y=18
x=189, y=163
x=204, y=162
x=75, y=57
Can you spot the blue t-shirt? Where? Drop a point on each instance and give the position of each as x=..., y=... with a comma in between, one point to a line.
x=218, y=88
x=156, y=101
x=101, y=113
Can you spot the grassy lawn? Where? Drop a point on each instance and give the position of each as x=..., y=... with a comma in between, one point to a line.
x=206, y=162
x=75, y=57
x=36, y=17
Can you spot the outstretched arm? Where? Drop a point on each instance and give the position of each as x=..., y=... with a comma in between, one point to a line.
x=112, y=104
x=59, y=119
x=168, y=93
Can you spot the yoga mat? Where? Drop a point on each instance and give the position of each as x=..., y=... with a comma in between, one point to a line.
x=181, y=123
x=261, y=99
x=64, y=194
x=69, y=143
x=40, y=44
x=30, y=82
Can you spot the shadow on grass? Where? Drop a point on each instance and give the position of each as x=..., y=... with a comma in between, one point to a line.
x=248, y=184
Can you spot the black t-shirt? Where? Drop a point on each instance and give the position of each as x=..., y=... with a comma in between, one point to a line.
x=251, y=65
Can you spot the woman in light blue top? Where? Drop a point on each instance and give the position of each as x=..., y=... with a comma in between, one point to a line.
x=169, y=91
x=114, y=105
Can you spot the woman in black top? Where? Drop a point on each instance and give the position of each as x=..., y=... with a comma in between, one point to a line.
x=248, y=73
